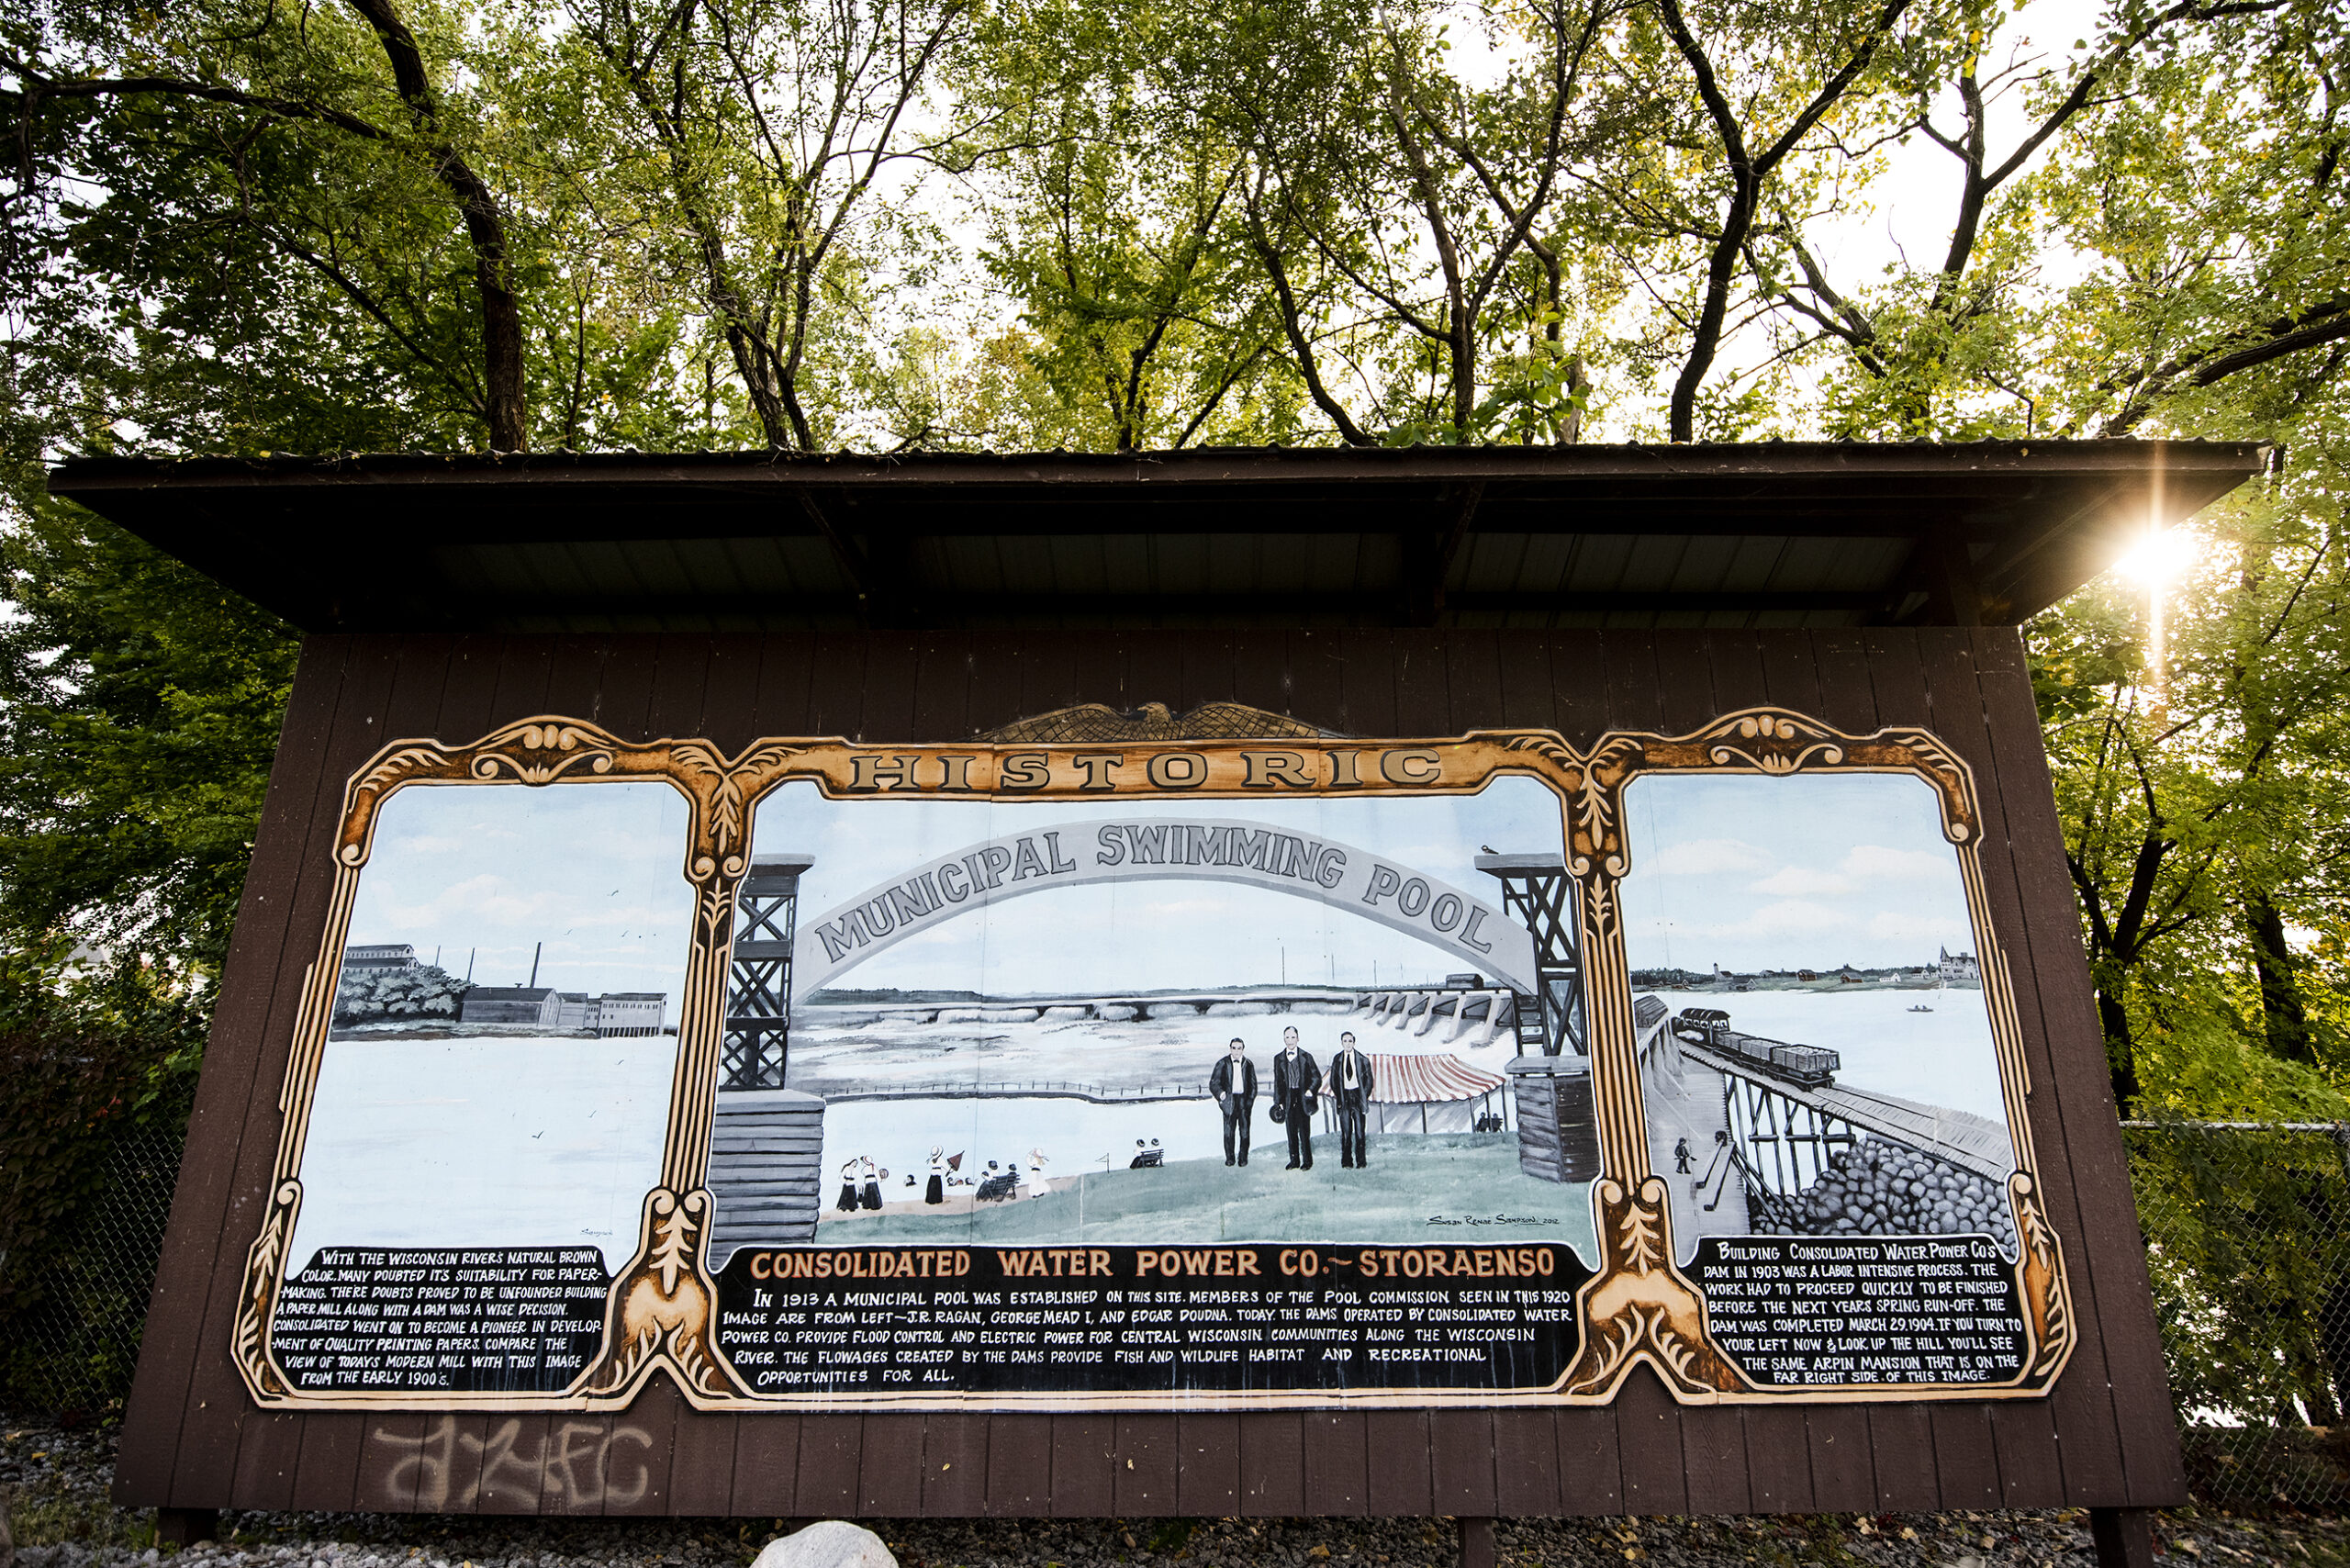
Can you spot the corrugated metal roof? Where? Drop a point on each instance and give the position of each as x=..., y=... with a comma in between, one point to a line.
x=1775, y=535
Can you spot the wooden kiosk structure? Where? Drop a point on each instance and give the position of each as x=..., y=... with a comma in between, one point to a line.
x=1405, y=623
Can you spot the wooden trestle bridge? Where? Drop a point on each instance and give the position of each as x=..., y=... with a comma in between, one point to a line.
x=1782, y=1135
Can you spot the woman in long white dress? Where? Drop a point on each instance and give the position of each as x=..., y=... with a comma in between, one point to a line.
x=1035, y=1187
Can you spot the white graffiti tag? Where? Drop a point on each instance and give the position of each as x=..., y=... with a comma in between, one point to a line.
x=579, y=1464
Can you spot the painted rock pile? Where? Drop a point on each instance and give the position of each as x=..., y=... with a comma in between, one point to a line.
x=1877, y=1188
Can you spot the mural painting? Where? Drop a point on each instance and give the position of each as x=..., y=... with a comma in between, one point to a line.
x=489, y=1105
x=1218, y=1073
x=1818, y=1060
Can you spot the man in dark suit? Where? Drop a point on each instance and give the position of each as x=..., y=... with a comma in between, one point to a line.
x=1296, y=1080
x=1350, y=1086
x=1233, y=1081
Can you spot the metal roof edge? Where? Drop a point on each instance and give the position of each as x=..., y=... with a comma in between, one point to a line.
x=81, y=476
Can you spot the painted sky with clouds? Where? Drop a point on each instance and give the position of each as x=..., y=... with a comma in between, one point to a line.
x=1150, y=935
x=1810, y=871
x=596, y=871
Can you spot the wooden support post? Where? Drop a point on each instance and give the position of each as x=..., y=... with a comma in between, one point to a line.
x=1427, y=557
x=1477, y=1543
x=1952, y=594
x=185, y=1527
x=2124, y=1537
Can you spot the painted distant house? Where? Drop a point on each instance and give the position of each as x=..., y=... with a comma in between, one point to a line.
x=533, y=1006
x=381, y=955
x=629, y=1013
x=1960, y=969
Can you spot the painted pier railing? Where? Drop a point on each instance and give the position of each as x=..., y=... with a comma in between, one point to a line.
x=1038, y=1089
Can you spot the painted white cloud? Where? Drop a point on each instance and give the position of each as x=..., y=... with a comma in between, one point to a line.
x=1876, y=863
x=428, y=843
x=1921, y=928
x=1789, y=917
x=1866, y=847
x=1804, y=881
x=584, y=882
x=1707, y=856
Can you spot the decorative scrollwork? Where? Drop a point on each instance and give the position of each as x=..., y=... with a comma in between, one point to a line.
x=1094, y=725
x=1949, y=776
x=1775, y=742
x=528, y=769
x=1769, y=741
x=540, y=751
x=661, y=1307
x=743, y=781
x=1549, y=748
x=2043, y=1281
x=544, y=751
x=661, y=1312
x=1596, y=806
x=265, y=1266
x=397, y=763
x=1640, y=1309
x=1601, y=904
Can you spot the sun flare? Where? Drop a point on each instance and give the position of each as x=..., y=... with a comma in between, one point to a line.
x=2159, y=555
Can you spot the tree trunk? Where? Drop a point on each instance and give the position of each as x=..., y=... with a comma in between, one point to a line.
x=2286, y=1020
x=505, y=400
x=2120, y=1053
x=1705, y=338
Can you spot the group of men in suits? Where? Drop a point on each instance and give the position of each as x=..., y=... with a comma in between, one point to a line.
x=1298, y=1085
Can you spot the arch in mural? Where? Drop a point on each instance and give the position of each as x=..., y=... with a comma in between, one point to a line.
x=1079, y=854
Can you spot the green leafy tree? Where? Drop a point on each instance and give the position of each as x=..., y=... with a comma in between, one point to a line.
x=139, y=713
x=387, y=224
x=754, y=136
x=1120, y=232
x=1420, y=235
x=329, y=138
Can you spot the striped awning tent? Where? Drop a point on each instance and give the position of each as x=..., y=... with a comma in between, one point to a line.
x=1431, y=1094
x=1398, y=1081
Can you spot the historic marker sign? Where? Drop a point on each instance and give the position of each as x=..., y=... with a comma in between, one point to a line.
x=1200, y=1074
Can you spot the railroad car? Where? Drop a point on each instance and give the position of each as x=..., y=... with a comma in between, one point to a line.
x=1807, y=1066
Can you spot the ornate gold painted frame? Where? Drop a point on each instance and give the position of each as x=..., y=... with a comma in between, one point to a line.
x=1638, y=1308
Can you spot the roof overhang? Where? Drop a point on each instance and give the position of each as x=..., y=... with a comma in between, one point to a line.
x=1771, y=534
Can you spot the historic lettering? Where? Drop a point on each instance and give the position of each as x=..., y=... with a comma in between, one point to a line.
x=1205, y=1318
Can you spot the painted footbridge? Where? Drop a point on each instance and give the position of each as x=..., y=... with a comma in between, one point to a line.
x=964, y=1089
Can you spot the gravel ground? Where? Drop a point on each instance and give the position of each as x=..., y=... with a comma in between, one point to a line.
x=56, y=1483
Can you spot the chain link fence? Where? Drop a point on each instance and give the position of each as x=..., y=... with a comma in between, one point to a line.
x=72, y=1347
x=2247, y=1231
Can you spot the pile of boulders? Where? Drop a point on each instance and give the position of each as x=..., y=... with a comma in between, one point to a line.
x=1876, y=1187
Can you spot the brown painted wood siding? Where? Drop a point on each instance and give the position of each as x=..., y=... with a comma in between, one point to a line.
x=2105, y=1437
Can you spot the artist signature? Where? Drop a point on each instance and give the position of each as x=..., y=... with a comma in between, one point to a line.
x=1489, y=1219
